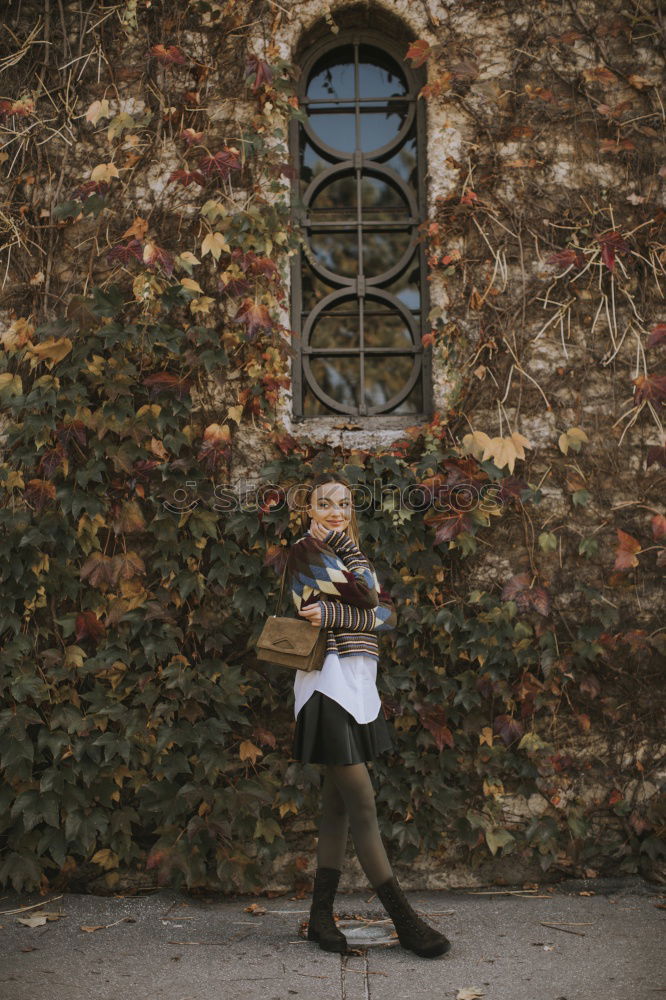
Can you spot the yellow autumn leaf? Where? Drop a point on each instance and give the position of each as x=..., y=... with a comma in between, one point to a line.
x=106, y=858
x=493, y=788
x=234, y=413
x=248, y=751
x=475, y=443
x=520, y=443
x=50, y=351
x=191, y=285
x=14, y=480
x=486, y=736
x=41, y=566
x=10, y=385
x=74, y=657
x=214, y=243
x=212, y=209
x=189, y=258
x=104, y=172
x=97, y=110
x=573, y=438
x=202, y=305
x=16, y=335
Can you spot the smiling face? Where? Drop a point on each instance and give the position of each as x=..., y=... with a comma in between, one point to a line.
x=331, y=505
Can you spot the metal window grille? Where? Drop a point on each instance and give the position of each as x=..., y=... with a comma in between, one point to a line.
x=359, y=288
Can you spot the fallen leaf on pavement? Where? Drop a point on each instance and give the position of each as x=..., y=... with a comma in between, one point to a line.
x=38, y=919
x=89, y=928
x=469, y=993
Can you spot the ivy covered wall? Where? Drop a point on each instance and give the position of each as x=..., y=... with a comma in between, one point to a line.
x=146, y=367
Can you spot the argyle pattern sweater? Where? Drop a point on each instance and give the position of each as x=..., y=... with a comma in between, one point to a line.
x=335, y=573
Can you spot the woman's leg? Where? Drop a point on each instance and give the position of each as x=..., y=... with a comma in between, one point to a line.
x=355, y=787
x=333, y=826
x=331, y=846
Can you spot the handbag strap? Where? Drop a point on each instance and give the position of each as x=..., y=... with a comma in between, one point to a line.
x=284, y=576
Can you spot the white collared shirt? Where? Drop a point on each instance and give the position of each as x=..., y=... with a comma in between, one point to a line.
x=349, y=680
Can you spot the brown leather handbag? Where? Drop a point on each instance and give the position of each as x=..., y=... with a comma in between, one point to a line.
x=291, y=642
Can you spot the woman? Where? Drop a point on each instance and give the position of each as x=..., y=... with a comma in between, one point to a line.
x=339, y=718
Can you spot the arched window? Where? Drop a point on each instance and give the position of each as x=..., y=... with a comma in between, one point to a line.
x=359, y=290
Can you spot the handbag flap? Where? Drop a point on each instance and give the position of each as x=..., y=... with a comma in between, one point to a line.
x=288, y=635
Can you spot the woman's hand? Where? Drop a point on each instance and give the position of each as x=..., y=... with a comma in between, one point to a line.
x=312, y=613
x=319, y=531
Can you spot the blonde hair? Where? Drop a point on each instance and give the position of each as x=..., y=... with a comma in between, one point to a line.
x=305, y=501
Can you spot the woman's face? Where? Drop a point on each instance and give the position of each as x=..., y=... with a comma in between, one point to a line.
x=331, y=506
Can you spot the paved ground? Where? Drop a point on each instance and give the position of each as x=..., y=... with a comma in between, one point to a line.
x=168, y=946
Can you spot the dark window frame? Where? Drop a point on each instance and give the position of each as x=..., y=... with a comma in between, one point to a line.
x=355, y=288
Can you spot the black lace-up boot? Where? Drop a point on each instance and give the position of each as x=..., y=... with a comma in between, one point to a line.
x=321, y=926
x=413, y=932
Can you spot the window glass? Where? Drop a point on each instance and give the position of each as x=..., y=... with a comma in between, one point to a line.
x=359, y=227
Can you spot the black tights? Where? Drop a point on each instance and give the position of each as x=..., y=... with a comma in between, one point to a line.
x=348, y=800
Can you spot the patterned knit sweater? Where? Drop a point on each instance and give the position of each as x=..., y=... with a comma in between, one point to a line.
x=335, y=573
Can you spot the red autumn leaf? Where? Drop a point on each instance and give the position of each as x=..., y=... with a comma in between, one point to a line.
x=433, y=718
x=611, y=244
x=88, y=626
x=510, y=487
x=656, y=454
x=652, y=387
x=507, y=728
x=191, y=137
x=216, y=446
x=657, y=334
x=265, y=267
x=418, y=52
x=75, y=430
x=263, y=74
x=165, y=382
x=221, y=163
x=254, y=317
x=601, y=75
x=287, y=444
x=124, y=252
x=126, y=565
x=658, y=523
x=450, y=527
x=638, y=823
x=625, y=554
x=50, y=461
x=172, y=55
x=22, y=108
x=611, y=146
x=39, y=492
x=567, y=258
x=527, y=598
x=262, y=737
x=235, y=287
x=98, y=570
x=91, y=187
x=464, y=68
x=590, y=685
x=187, y=177
x=156, y=257
x=615, y=796
x=469, y=197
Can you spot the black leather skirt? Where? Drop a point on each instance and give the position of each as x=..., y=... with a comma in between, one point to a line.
x=326, y=733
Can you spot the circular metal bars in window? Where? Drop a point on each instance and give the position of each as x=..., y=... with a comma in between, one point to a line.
x=358, y=284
